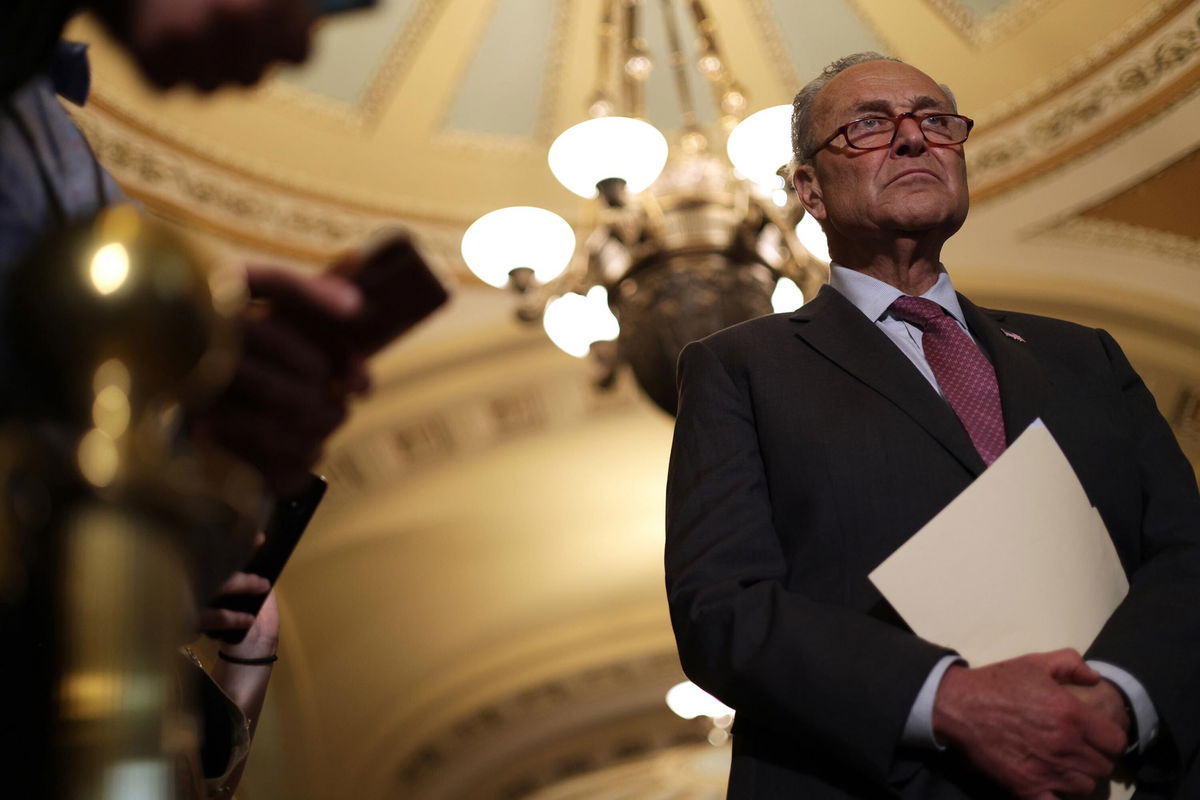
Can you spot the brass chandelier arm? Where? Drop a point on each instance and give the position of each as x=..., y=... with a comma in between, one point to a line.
x=728, y=94
x=679, y=68
x=635, y=94
x=601, y=103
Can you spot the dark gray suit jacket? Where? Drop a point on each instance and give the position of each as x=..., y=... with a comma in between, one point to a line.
x=807, y=449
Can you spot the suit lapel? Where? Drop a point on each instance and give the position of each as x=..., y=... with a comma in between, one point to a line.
x=1024, y=384
x=832, y=325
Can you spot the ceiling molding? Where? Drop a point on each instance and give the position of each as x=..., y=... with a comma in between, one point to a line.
x=1136, y=30
x=689, y=772
x=399, y=59
x=1136, y=239
x=1119, y=100
x=565, y=726
x=249, y=213
x=551, y=95
x=878, y=31
x=992, y=27
x=772, y=38
x=113, y=129
x=376, y=458
x=346, y=117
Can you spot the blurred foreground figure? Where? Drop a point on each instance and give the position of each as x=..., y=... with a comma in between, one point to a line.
x=120, y=518
x=809, y=446
x=202, y=42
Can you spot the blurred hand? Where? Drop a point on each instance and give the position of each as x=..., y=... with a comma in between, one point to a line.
x=292, y=385
x=210, y=42
x=1019, y=724
x=219, y=620
x=262, y=631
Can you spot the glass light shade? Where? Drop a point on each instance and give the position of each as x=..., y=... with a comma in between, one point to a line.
x=689, y=701
x=514, y=237
x=761, y=144
x=608, y=147
x=787, y=296
x=574, y=321
x=808, y=230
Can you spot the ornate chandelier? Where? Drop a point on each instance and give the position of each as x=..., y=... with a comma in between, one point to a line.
x=686, y=242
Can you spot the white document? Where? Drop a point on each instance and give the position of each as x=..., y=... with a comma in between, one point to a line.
x=1020, y=562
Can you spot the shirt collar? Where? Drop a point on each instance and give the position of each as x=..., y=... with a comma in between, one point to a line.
x=69, y=71
x=872, y=296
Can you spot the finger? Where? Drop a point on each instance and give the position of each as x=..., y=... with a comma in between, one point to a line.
x=1075, y=755
x=245, y=583
x=1084, y=675
x=1078, y=784
x=223, y=619
x=345, y=264
x=329, y=295
x=1106, y=736
x=1064, y=664
x=296, y=407
x=260, y=440
x=358, y=377
x=289, y=347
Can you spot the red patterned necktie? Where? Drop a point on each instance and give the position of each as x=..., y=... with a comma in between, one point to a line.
x=966, y=377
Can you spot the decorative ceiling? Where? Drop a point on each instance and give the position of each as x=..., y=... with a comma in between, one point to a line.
x=478, y=608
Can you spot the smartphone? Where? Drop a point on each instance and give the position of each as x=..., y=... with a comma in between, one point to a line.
x=399, y=290
x=289, y=518
x=327, y=7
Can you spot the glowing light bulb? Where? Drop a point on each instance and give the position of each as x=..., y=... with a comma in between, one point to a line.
x=608, y=147
x=689, y=701
x=787, y=296
x=514, y=237
x=761, y=144
x=808, y=230
x=109, y=267
x=574, y=321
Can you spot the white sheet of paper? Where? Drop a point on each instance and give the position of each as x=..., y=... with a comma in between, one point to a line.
x=1020, y=562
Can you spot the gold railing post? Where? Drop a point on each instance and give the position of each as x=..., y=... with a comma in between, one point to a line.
x=113, y=526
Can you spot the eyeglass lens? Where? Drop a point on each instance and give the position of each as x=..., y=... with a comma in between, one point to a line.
x=878, y=131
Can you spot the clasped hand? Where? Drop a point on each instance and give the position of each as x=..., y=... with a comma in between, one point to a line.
x=1042, y=725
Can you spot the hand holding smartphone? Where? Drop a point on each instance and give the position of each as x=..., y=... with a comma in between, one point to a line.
x=289, y=518
x=399, y=290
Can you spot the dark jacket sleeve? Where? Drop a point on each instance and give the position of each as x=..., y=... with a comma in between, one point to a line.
x=1155, y=633
x=29, y=29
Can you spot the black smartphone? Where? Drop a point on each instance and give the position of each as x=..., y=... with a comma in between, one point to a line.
x=399, y=290
x=327, y=7
x=289, y=518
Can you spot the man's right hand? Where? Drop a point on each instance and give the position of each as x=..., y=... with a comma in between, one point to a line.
x=1018, y=722
x=290, y=391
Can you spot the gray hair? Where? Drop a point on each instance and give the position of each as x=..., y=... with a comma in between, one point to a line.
x=804, y=139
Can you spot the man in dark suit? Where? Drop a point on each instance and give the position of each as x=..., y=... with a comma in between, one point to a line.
x=809, y=446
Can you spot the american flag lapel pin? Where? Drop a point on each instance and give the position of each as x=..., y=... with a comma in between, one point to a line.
x=1012, y=335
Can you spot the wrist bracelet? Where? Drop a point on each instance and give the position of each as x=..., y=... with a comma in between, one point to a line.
x=250, y=662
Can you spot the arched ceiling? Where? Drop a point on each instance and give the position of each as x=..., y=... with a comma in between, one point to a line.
x=479, y=603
